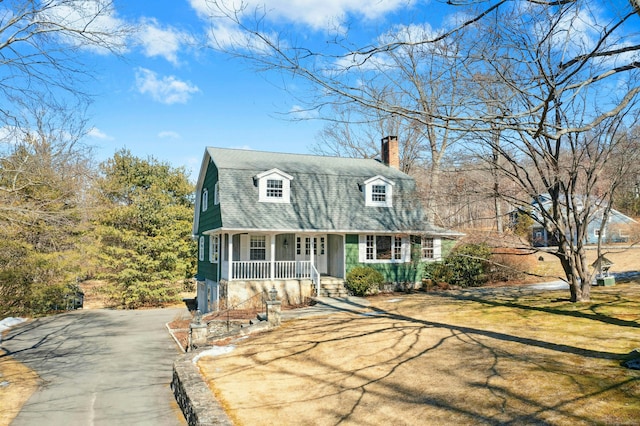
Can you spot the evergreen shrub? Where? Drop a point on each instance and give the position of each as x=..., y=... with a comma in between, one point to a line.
x=361, y=279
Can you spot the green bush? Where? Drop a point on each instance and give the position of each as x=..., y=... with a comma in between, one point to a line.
x=361, y=279
x=466, y=266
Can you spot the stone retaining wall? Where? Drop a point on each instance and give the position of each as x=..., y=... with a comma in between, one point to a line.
x=193, y=395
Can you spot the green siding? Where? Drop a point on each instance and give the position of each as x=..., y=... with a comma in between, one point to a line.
x=395, y=272
x=447, y=246
x=207, y=269
x=392, y=272
x=209, y=219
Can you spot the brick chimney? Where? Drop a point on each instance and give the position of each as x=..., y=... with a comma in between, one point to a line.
x=389, y=152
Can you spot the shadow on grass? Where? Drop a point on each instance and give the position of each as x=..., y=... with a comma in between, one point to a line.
x=492, y=298
x=403, y=338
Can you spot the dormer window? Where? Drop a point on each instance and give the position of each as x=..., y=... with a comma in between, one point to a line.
x=378, y=192
x=274, y=186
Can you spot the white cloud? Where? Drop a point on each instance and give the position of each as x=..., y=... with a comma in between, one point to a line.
x=98, y=134
x=317, y=14
x=301, y=113
x=96, y=20
x=167, y=90
x=164, y=42
x=168, y=134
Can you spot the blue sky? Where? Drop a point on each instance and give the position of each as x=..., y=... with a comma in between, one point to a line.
x=169, y=96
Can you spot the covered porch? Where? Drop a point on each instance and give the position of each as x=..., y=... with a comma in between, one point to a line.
x=242, y=256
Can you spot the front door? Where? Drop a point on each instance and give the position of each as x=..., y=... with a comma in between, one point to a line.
x=303, y=250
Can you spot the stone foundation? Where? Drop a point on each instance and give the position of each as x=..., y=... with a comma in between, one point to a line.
x=290, y=292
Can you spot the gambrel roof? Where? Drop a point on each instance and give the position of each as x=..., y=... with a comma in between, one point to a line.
x=326, y=195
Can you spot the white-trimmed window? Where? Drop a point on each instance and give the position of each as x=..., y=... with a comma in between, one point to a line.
x=258, y=247
x=214, y=248
x=205, y=199
x=378, y=192
x=274, y=186
x=384, y=249
x=201, y=249
x=216, y=194
x=430, y=248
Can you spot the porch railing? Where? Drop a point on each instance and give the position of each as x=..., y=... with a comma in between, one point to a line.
x=261, y=270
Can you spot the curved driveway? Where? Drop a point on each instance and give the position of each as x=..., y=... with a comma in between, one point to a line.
x=99, y=367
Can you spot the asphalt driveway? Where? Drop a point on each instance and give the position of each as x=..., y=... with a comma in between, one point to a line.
x=99, y=367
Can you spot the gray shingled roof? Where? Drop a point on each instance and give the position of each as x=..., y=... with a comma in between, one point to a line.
x=325, y=195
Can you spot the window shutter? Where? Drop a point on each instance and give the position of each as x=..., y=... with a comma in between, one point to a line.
x=406, y=249
x=437, y=248
x=362, y=248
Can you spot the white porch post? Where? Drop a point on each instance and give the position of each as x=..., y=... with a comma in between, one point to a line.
x=272, y=266
x=230, y=255
x=312, y=243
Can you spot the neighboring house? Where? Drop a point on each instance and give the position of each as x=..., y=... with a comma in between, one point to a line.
x=298, y=222
x=616, y=230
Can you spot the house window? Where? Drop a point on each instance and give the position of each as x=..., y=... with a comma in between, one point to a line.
x=214, y=248
x=597, y=233
x=298, y=246
x=201, y=249
x=258, y=247
x=378, y=193
x=427, y=248
x=274, y=188
x=216, y=194
x=397, y=248
x=205, y=199
x=383, y=248
x=371, y=247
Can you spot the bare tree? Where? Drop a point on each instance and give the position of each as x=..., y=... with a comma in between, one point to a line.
x=568, y=70
x=357, y=134
x=40, y=42
x=570, y=89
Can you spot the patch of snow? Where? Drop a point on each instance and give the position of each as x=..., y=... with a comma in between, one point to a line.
x=7, y=323
x=395, y=300
x=215, y=351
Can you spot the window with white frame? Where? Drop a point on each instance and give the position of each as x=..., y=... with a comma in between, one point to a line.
x=378, y=192
x=257, y=247
x=214, y=248
x=274, y=186
x=397, y=248
x=205, y=199
x=383, y=248
x=201, y=249
x=216, y=194
x=427, y=248
x=430, y=248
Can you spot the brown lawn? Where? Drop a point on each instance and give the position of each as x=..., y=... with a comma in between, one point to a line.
x=492, y=357
x=17, y=383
